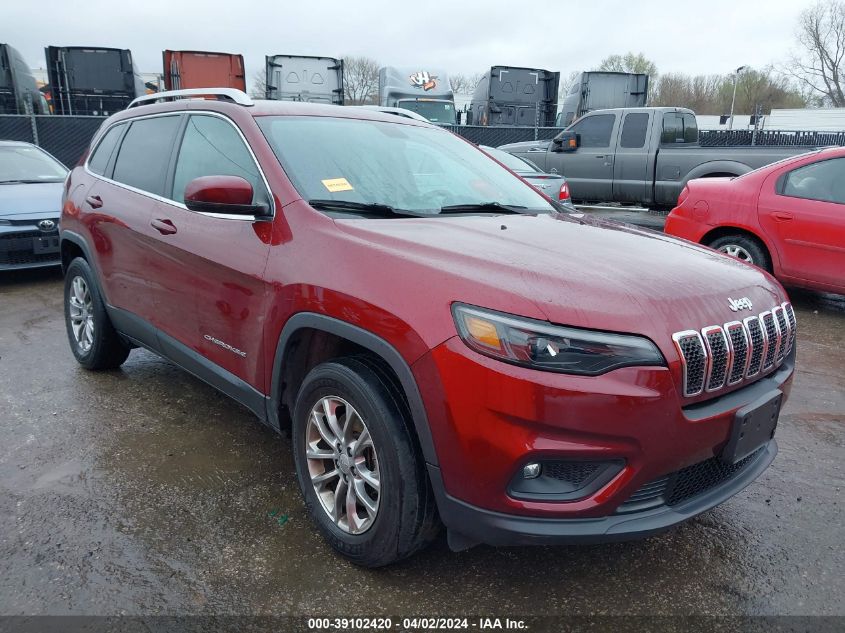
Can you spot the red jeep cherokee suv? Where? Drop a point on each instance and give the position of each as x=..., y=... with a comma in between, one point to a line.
x=445, y=342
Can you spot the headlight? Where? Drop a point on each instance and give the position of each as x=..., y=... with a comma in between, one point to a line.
x=539, y=345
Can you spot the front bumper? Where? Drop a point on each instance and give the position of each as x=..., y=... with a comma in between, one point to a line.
x=24, y=245
x=470, y=525
x=488, y=419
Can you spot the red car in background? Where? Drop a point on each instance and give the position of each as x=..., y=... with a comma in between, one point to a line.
x=787, y=217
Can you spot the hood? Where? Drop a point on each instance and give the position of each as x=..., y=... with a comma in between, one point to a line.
x=525, y=146
x=573, y=271
x=31, y=199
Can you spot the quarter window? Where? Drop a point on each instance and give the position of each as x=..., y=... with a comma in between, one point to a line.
x=595, y=130
x=145, y=153
x=824, y=180
x=634, y=129
x=212, y=147
x=102, y=153
x=679, y=127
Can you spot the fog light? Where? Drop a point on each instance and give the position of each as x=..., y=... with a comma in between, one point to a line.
x=531, y=471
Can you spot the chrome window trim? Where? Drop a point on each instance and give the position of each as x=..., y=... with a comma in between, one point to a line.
x=180, y=205
x=705, y=331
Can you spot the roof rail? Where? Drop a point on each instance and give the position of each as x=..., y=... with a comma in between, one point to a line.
x=223, y=94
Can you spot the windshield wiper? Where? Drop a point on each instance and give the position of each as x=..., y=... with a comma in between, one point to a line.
x=375, y=208
x=498, y=207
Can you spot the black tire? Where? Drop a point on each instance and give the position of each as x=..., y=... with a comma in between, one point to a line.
x=406, y=519
x=107, y=350
x=751, y=245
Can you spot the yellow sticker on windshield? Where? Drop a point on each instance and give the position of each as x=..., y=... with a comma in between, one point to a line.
x=337, y=184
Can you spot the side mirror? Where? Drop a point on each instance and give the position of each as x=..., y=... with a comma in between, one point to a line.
x=222, y=194
x=566, y=142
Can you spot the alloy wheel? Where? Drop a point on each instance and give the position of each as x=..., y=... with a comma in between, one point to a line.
x=737, y=251
x=81, y=313
x=343, y=464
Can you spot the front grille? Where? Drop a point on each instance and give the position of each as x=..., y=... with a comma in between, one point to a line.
x=685, y=484
x=699, y=478
x=720, y=355
x=739, y=343
x=790, y=319
x=758, y=345
x=771, y=331
x=573, y=472
x=694, y=355
x=17, y=248
x=780, y=321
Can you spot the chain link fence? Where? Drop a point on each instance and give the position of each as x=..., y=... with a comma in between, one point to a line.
x=67, y=137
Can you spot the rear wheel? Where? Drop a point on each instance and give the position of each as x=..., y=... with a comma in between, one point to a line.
x=93, y=340
x=744, y=248
x=361, y=475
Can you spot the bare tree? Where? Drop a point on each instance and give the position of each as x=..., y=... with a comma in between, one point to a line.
x=464, y=84
x=360, y=80
x=259, y=85
x=819, y=65
x=712, y=94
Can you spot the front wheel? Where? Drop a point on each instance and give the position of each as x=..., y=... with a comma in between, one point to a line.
x=743, y=247
x=361, y=475
x=93, y=340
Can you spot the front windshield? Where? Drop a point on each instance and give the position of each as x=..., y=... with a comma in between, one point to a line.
x=434, y=111
x=510, y=161
x=418, y=169
x=22, y=163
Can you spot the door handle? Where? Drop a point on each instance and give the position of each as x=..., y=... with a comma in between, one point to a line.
x=165, y=227
x=782, y=215
x=95, y=202
x=599, y=155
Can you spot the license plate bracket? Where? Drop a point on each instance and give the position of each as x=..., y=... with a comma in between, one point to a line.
x=753, y=426
x=45, y=245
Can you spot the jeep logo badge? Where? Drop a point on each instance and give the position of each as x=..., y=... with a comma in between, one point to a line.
x=46, y=225
x=740, y=304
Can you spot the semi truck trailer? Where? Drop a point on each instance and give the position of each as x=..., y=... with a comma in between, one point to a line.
x=202, y=69
x=507, y=95
x=91, y=81
x=304, y=78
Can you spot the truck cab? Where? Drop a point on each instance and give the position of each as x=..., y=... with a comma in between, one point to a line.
x=639, y=155
x=424, y=91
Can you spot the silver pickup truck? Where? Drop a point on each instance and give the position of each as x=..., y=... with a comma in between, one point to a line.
x=639, y=155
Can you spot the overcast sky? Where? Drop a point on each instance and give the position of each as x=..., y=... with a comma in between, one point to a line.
x=459, y=35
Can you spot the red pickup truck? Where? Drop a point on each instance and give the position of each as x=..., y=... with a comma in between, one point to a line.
x=447, y=344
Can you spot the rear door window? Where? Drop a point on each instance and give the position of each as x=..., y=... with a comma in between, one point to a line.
x=634, y=128
x=102, y=153
x=595, y=130
x=824, y=180
x=145, y=153
x=212, y=146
